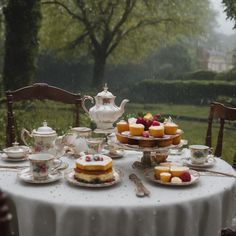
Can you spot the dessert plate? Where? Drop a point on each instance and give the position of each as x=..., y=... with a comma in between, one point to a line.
x=211, y=161
x=117, y=154
x=4, y=157
x=69, y=176
x=194, y=178
x=26, y=176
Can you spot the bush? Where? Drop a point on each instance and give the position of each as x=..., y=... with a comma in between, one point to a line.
x=200, y=75
x=185, y=92
x=228, y=75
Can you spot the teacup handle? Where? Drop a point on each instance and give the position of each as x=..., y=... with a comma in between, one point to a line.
x=25, y=132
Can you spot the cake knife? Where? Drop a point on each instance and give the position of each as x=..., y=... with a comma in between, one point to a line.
x=141, y=190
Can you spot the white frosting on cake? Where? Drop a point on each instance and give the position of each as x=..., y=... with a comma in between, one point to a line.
x=160, y=127
x=105, y=160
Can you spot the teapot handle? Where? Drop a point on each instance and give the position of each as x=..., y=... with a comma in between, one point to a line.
x=86, y=97
x=25, y=132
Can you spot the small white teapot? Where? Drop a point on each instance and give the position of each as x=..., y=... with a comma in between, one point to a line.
x=44, y=139
x=105, y=112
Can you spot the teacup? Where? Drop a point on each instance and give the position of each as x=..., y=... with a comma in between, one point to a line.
x=41, y=165
x=199, y=153
x=95, y=145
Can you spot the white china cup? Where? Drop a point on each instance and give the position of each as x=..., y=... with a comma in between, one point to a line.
x=200, y=153
x=41, y=165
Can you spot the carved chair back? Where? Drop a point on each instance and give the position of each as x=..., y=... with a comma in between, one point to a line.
x=222, y=113
x=38, y=91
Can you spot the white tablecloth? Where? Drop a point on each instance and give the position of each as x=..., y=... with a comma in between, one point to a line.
x=60, y=209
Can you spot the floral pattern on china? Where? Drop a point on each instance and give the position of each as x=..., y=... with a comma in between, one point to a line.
x=105, y=112
x=44, y=139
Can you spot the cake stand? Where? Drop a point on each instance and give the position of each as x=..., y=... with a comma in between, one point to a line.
x=146, y=160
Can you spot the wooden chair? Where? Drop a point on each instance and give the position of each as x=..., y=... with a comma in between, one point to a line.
x=5, y=216
x=223, y=113
x=40, y=91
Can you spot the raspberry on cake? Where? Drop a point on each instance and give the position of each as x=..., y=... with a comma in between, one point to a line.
x=94, y=169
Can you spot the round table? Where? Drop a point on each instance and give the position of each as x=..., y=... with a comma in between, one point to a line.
x=61, y=209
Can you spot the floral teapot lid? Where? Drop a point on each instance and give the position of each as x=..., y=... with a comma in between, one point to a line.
x=105, y=93
x=44, y=130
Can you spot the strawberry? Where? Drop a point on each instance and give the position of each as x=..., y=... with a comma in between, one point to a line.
x=185, y=176
x=140, y=120
x=145, y=134
x=155, y=123
x=148, y=123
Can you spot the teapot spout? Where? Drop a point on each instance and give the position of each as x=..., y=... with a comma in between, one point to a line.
x=122, y=106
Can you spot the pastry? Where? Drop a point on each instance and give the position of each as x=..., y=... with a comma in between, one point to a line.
x=94, y=169
x=170, y=128
x=176, y=171
x=159, y=169
x=165, y=176
x=136, y=129
x=156, y=131
x=121, y=138
x=122, y=126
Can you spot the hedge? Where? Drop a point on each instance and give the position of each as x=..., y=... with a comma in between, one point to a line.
x=183, y=92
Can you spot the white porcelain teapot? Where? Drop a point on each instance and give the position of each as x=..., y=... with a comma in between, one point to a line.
x=105, y=112
x=44, y=139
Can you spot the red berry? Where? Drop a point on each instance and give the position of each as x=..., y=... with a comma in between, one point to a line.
x=148, y=124
x=155, y=123
x=145, y=134
x=185, y=176
x=87, y=158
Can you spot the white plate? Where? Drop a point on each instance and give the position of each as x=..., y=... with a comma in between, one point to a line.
x=194, y=178
x=69, y=176
x=118, y=154
x=4, y=157
x=26, y=176
x=209, y=163
x=176, y=151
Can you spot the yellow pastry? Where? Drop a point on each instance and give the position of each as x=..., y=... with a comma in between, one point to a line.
x=176, y=171
x=165, y=176
x=136, y=129
x=156, y=131
x=122, y=126
x=159, y=169
x=170, y=128
x=176, y=140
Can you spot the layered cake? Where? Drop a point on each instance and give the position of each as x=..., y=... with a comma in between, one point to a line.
x=94, y=169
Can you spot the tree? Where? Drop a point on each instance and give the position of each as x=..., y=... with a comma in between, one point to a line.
x=22, y=20
x=230, y=9
x=111, y=29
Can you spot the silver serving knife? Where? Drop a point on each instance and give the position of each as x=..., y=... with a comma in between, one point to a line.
x=141, y=190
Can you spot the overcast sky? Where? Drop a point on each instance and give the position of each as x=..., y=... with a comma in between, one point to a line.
x=225, y=26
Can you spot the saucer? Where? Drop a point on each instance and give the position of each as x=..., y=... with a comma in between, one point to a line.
x=4, y=157
x=69, y=176
x=211, y=161
x=116, y=155
x=26, y=176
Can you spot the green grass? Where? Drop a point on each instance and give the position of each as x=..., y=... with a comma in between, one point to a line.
x=60, y=117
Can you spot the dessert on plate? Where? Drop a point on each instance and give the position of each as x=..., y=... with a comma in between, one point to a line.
x=94, y=169
x=173, y=174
